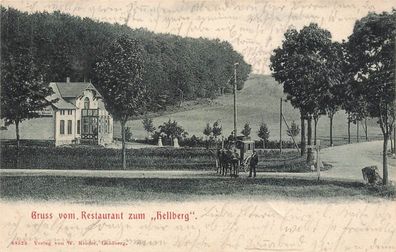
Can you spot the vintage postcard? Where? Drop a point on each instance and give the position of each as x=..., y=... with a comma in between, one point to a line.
x=188, y=125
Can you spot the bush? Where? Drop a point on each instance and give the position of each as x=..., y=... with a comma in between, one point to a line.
x=128, y=134
x=27, y=142
x=99, y=158
x=150, y=141
x=193, y=141
x=274, y=144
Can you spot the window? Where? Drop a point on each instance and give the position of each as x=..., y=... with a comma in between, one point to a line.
x=62, y=112
x=69, y=112
x=69, y=127
x=78, y=126
x=86, y=103
x=62, y=127
x=85, y=129
x=106, y=126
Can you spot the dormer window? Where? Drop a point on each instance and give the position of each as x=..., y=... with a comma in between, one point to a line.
x=86, y=103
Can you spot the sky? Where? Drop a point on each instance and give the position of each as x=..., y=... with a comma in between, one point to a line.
x=254, y=28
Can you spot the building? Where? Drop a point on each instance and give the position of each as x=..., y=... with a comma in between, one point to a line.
x=79, y=115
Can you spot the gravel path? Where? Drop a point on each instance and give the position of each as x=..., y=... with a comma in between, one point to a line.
x=348, y=160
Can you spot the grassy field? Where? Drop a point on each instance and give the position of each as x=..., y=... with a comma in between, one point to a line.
x=121, y=190
x=257, y=102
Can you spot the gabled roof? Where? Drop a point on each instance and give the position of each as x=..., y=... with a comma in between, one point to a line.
x=74, y=89
x=60, y=103
x=66, y=92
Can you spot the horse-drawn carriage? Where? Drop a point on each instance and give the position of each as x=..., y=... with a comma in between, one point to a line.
x=235, y=156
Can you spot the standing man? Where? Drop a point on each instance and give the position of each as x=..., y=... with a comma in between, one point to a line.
x=253, y=164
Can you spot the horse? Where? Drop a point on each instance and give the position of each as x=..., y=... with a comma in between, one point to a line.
x=235, y=163
x=223, y=161
x=229, y=161
x=219, y=160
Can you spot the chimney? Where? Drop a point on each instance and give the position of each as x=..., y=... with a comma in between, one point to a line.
x=67, y=79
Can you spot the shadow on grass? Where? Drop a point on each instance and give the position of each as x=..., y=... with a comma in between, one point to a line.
x=102, y=190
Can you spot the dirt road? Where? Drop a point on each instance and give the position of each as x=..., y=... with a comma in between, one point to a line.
x=348, y=160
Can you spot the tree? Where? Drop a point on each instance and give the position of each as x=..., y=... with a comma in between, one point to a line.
x=172, y=130
x=119, y=74
x=294, y=130
x=176, y=68
x=316, y=115
x=354, y=105
x=148, y=125
x=207, y=131
x=331, y=95
x=302, y=66
x=246, y=130
x=128, y=134
x=371, y=47
x=263, y=133
x=23, y=90
x=216, y=129
x=352, y=101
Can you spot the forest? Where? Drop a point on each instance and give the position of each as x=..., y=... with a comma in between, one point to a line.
x=175, y=68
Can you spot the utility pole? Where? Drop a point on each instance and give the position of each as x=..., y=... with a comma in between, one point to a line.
x=235, y=98
x=280, y=126
x=394, y=101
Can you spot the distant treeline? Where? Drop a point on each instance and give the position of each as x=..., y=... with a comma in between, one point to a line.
x=176, y=68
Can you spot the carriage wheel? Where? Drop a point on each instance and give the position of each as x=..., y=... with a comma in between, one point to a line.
x=245, y=164
x=246, y=167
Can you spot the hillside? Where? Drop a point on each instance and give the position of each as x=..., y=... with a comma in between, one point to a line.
x=257, y=102
x=61, y=45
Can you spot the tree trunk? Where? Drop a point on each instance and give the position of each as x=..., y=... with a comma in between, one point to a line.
x=365, y=127
x=316, y=120
x=349, y=130
x=385, y=160
x=17, y=134
x=394, y=139
x=302, y=135
x=331, y=129
x=17, y=144
x=123, y=144
x=390, y=137
x=309, y=152
x=357, y=131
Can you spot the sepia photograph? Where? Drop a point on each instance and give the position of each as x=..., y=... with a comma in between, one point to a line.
x=193, y=125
